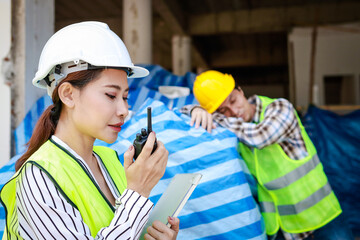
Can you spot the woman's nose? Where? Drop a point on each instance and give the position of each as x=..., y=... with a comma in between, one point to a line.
x=122, y=109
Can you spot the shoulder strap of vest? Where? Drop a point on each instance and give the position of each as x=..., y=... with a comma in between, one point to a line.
x=111, y=161
x=265, y=101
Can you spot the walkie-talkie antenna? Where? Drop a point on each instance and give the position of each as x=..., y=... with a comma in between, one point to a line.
x=149, y=120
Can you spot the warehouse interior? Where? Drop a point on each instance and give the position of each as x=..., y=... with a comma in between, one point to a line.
x=246, y=38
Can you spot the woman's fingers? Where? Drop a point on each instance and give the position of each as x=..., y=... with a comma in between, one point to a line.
x=174, y=222
x=160, y=156
x=128, y=156
x=143, y=174
x=148, y=147
x=148, y=237
x=159, y=230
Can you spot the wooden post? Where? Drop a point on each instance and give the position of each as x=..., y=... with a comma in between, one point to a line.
x=32, y=25
x=5, y=74
x=137, y=30
x=312, y=64
x=181, y=54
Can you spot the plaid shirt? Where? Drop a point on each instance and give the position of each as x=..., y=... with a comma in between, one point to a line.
x=279, y=126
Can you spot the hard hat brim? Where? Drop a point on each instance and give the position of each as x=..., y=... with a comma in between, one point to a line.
x=137, y=72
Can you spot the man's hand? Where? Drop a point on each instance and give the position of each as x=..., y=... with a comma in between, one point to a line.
x=202, y=118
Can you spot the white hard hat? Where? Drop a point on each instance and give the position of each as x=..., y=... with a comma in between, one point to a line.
x=82, y=46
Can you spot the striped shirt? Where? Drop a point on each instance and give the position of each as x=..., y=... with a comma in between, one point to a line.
x=279, y=126
x=44, y=213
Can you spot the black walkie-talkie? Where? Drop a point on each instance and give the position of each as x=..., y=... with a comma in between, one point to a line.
x=141, y=137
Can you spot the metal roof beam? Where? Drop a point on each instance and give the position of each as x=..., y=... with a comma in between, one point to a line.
x=279, y=19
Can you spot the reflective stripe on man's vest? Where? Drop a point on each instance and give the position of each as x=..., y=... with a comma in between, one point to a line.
x=293, y=194
x=73, y=182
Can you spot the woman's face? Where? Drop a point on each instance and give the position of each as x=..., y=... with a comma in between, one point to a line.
x=101, y=106
x=236, y=105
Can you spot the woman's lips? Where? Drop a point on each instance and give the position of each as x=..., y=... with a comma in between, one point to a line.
x=116, y=127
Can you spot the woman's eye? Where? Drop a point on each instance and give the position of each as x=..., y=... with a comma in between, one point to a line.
x=125, y=98
x=110, y=96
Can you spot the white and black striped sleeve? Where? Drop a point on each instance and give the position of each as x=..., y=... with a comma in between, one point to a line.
x=44, y=213
x=131, y=215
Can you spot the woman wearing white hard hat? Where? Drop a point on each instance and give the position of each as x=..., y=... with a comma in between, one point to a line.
x=64, y=187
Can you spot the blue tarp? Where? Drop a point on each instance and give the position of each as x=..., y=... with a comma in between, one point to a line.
x=337, y=140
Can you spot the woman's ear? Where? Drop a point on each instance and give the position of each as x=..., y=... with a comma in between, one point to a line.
x=66, y=94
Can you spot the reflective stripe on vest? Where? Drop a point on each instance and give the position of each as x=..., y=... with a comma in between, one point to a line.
x=300, y=206
x=294, y=175
x=293, y=194
x=73, y=182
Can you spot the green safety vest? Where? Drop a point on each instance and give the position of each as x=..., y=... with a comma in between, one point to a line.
x=293, y=194
x=73, y=181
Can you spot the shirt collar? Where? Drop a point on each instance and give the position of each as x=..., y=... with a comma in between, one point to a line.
x=65, y=146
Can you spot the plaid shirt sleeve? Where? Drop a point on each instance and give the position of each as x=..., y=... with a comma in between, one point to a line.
x=279, y=121
x=187, y=109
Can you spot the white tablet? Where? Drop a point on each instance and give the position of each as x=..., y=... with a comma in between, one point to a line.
x=173, y=199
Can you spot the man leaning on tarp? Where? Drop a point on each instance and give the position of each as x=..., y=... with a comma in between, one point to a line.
x=295, y=197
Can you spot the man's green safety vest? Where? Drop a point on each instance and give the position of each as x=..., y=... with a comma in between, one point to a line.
x=293, y=194
x=73, y=181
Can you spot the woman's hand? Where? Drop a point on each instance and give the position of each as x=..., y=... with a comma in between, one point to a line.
x=200, y=116
x=143, y=174
x=158, y=230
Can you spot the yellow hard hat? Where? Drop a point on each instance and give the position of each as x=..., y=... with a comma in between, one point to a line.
x=211, y=88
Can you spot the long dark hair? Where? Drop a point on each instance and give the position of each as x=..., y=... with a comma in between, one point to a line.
x=46, y=125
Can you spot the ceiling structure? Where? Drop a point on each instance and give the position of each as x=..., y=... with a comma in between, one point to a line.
x=242, y=37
